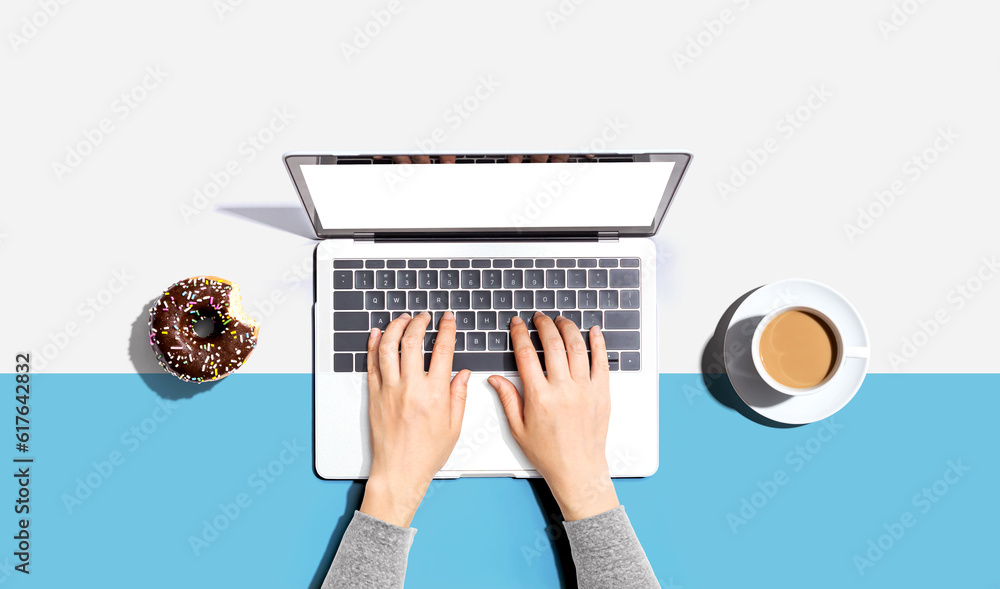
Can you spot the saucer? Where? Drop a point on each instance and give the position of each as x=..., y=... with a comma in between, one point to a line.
x=757, y=394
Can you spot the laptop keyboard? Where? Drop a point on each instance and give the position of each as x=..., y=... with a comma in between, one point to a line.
x=484, y=294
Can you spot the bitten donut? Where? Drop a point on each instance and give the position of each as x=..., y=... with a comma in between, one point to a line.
x=179, y=348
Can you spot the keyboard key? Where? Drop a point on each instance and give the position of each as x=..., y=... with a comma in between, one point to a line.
x=592, y=318
x=460, y=263
x=612, y=361
x=587, y=263
x=555, y=279
x=629, y=299
x=385, y=279
x=621, y=320
x=504, y=319
x=380, y=319
x=492, y=278
x=630, y=361
x=536, y=340
x=465, y=320
x=470, y=279
x=374, y=263
x=342, y=279
x=503, y=299
x=345, y=321
x=348, y=264
x=587, y=299
x=496, y=341
x=506, y=263
x=551, y=314
x=522, y=263
x=475, y=341
x=534, y=278
x=575, y=316
x=621, y=340
x=565, y=263
x=436, y=320
x=343, y=362
x=481, y=299
x=416, y=300
x=529, y=319
x=490, y=362
x=608, y=263
x=449, y=279
x=608, y=299
x=396, y=314
x=375, y=300
x=349, y=300
x=395, y=264
x=437, y=299
x=597, y=278
x=427, y=279
x=459, y=342
x=439, y=263
x=406, y=278
x=523, y=299
x=361, y=362
x=395, y=300
x=545, y=299
x=486, y=320
x=350, y=342
x=624, y=278
x=416, y=263
x=545, y=263
x=513, y=279
x=566, y=299
x=364, y=279
x=481, y=263
x=429, y=338
x=460, y=299
x=630, y=262
x=576, y=279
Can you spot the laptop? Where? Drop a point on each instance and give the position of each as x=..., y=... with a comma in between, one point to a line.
x=487, y=237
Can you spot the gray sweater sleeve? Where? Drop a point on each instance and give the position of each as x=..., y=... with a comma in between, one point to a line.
x=607, y=552
x=371, y=555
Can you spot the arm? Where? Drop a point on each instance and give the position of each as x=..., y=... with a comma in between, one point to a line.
x=561, y=424
x=415, y=419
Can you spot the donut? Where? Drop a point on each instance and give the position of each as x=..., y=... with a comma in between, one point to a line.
x=178, y=347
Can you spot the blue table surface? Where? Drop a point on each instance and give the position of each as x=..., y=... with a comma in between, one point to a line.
x=898, y=489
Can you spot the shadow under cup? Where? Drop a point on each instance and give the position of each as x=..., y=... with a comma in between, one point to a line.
x=797, y=350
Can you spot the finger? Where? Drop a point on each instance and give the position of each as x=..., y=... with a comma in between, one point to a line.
x=388, y=348
x=539, y=158
x=444, y=347
x=412, y=345
x=513, y=403
x=576, y=349
x=401, y=159
x=421, y=159
x=459, y=393
x=599, y=372
x=446, y=159
x=552, y=345
x=515, y=159
x=374, y=376
x=524, y=353
x=560, y=159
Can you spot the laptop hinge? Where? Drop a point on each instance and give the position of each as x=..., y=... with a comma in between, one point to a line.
x=607, y=236
x=364, y=237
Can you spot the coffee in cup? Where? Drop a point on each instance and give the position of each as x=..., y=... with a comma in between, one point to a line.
x=798, y=349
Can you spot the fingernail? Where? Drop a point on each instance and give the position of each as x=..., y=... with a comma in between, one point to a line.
x=404, y=316
x=515, y=320
x=448, y=315
x=596, y=329
x=425, y=314
x=373, y=332
x=492, y=380
x=465, y=379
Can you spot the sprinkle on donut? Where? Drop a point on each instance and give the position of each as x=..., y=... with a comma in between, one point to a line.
x=179, y=348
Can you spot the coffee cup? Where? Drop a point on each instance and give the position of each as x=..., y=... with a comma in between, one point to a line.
x=797, y=350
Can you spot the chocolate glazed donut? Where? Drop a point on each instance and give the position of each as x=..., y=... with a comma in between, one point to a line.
x=179, y=348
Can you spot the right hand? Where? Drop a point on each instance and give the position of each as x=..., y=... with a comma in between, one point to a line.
x=561, y=423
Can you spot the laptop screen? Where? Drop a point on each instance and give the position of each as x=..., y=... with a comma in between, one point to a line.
x=582, y=194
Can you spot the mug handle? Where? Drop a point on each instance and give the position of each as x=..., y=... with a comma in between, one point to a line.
x=855, y=352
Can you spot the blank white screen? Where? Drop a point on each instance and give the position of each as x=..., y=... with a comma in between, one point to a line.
x=453, y=196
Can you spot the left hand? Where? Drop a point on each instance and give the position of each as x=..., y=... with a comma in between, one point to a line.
x=415, y=417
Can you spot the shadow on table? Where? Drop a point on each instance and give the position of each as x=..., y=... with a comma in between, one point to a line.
x=285, y=217
x=555, y=532
x=354, y=495
x=713, y=364
x=144, y=361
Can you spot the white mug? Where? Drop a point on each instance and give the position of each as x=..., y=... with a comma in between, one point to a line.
x=843, y=351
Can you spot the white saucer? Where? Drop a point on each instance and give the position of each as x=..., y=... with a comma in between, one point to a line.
x=757, y=394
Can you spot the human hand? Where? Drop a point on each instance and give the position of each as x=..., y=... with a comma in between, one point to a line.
x=415, y=417
x=561, y=423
